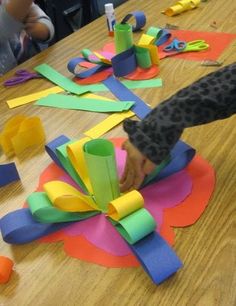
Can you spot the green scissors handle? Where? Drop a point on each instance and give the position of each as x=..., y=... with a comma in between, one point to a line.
x=196, y=45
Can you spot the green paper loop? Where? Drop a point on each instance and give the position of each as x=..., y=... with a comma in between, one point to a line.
x=123, y=37
x=143, y=57
x=100, y=160
x=43, y=211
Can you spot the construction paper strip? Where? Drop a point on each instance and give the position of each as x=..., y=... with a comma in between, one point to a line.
x=73, y=64
x=68, y=198
x=123, y=37
x=6, y=266
x=33, y=97
x=124, y=94
x=143, y=57
x=84, y=104
x=153, y=52
x=125, y=205
x=63, y=157
x=107, y=124
x=53, y=145
x=76, y=155
x=58, y=79
x=100, y=160
x=19, y=227
x=43, y=211
x=8, y=174
x=140, y=20
x=136, y=226
x=160, y=35
x=146, y=39
x=181, y=6
x=157, y=257
x=124, y=62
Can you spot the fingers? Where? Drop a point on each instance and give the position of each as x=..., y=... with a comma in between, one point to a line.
x=148, y=166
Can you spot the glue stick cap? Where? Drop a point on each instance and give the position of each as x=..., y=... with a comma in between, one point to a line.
x=109, y=8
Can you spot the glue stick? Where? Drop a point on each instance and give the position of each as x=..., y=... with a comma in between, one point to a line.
x=111, y=20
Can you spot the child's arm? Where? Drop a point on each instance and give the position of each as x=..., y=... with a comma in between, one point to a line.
x=211, y=98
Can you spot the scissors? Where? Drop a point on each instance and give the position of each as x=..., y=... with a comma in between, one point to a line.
x=175, y=45
x=196, y=45
x=21, y=76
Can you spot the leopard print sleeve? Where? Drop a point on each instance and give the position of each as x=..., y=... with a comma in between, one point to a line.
x=210, y=98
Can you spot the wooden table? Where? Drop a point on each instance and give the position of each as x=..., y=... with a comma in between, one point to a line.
x=44, y=274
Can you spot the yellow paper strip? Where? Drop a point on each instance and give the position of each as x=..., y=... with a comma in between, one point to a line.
x=107, y=124
x=125, y=205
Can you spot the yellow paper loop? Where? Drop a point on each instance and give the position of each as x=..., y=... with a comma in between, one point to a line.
x=68, y=198
x=125, y=205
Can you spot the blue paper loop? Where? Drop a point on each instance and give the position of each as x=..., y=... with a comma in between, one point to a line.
x=140, y=20
x=124, y=63
x=52, y=146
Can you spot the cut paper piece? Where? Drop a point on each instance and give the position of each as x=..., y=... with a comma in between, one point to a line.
x=95, y=78
x=67, y=198
x=58, y=79
x=123, y=93
x=153, y=52
x=6, y=268
x=181, y=6
x=84, y=104
x=107, y=124
x=19, y=227
x=163, y=264
x=143, y=74
x=217, y=41
x=139, y=18
x=33, y=97
x=99, y=155
x=123, y=37
x=43, y=211
x=8, y=174
x=143, y=57
x=146, y=39
x=124, y=62
x=191, y=209
x=21, y=132
x=160, y=35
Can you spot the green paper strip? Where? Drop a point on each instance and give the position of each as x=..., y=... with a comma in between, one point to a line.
x=136, y=226
x=100, y=160
x=44, y=212
x=86, y=54
x=143, y=57
x=67, y=165
x=123, y=35
x=60, y=80
x=155, y=32
x=92, y=105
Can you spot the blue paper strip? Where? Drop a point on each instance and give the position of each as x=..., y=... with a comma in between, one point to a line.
x=52, y=146
x=8, y=174
x=124, y=63
x=19, y=227
x=124, y=94
x=140, y=20
x=164, y=36
x=157, y=257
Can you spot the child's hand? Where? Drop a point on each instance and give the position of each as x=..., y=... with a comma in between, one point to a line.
x=137, y=166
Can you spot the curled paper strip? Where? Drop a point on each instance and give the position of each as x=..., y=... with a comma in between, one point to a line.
x=139, y=17
x=6, y=265
x=21, y=132
x=124, y=63
x=159, y=35
x=181, y=6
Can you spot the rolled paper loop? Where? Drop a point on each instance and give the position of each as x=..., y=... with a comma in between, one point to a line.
x=62, y=155
x=123, y=93
x=75, y=152
x=181, y=6
x=59, y=79
x=189, y=4
x=100, y=160
x=125, y=205
x=43, y=211
x=143, y=57
x=19, y=227
x=160, y=35
x=6, y=266
x=90, y=56
x=153, y=52
x=124, y=63
x=136, y=226
x=140, y=20
x=68, y=198
x=52, y=146
x=146, y=39
x=123, y=37
x=157, y=257
x=73, y=66
x=8, y=174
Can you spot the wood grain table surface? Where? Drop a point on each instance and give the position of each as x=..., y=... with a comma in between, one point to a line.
x=43, y=273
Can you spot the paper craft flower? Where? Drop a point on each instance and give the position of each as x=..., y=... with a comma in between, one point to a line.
x=178, y=200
